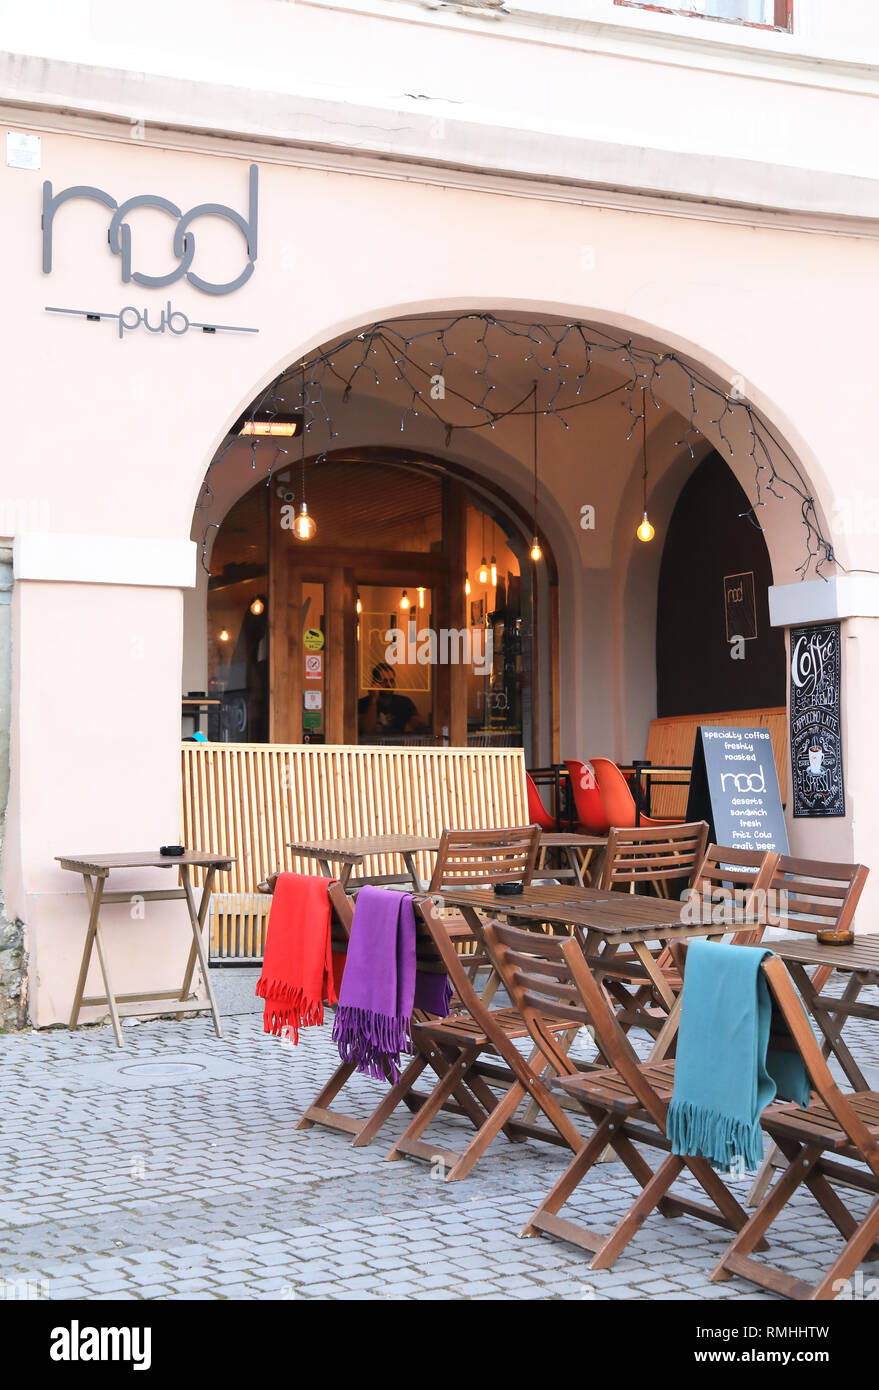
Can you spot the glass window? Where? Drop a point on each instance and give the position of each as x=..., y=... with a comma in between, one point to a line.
x=769, y=14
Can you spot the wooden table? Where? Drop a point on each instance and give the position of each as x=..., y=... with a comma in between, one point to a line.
x=95, y=869
x=604, y=922
x=350, y=853
x=860, y=960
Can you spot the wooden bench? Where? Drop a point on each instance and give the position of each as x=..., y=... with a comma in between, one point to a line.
x=670, y=743
x=249, y=800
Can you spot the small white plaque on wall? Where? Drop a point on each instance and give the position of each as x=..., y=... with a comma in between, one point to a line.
x=22, y=150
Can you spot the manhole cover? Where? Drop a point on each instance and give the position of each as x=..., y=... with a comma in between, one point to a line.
x=164, y=1071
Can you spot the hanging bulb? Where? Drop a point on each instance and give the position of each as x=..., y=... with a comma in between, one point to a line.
x=359, y=604
x=466, y=583
x=420, y=597
x=257, y=607
x=645, y=531
x=493, y=572
x=536, y=552
x=483, y=571
x=304, y=526
x=224, y=634
x=404, y=601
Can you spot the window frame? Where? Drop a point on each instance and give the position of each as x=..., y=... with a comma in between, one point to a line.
x=784, y=17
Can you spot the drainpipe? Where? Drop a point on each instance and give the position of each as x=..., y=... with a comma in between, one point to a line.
x=13, y=992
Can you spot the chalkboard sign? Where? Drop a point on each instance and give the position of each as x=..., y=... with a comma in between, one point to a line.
x=734, y=787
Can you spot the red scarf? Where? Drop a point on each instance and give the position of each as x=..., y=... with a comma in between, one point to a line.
x=299, y=969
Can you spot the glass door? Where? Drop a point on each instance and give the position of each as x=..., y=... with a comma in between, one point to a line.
x=397, y=656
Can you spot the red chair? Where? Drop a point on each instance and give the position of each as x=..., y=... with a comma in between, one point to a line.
x=617, y=800
x=537, y=812
x=587, y=799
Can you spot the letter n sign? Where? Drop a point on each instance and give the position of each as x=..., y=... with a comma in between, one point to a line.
x=119, y=233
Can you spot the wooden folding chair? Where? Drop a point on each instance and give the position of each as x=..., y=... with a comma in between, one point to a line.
x=734, y=884
x=836, y=1126
x=477, y=1045
x=659, y=855
x=816, y=896
x=363, y=1131
x=626, y=1100
x=480, y=859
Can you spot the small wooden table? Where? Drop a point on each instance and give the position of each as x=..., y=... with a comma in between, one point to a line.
x=860, y=960
x=350, y=853
x=603, y=921
x=95, y=869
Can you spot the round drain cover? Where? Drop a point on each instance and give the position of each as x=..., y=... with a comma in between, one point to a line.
x=164, y=1071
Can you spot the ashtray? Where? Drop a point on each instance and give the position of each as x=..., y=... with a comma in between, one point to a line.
x=836, y=938
x=508, y=890
x=172, y=851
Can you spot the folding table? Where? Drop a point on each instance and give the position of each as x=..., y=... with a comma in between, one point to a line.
x=95, y=870
x=349, y=853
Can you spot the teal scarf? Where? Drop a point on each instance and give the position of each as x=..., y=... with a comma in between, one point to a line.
x=726, y=1073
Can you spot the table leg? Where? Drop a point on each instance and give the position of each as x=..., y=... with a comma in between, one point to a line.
x=197, y=917
x=409, y=861
x=574, y=861
x=826, y=1017
x=94, y=938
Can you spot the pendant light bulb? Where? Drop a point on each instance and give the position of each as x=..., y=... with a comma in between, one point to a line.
x=466, y=583
x=493, y=572
x=404, y=601
x=483, y=571
x=359, y=604
x=304, y=526
x=223, y=634
x=536, y=552
x=257, y=607
x=645, y=531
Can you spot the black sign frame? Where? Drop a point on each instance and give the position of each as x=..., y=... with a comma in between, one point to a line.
x=815, y=720
x=734, y=787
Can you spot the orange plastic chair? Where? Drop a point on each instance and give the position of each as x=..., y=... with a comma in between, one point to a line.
x=617, y=800
x=590, y=810
x=537, y=812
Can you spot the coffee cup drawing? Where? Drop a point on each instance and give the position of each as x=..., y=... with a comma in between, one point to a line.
x=816, y=758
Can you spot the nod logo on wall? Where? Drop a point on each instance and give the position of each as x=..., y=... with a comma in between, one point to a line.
x=119, y=236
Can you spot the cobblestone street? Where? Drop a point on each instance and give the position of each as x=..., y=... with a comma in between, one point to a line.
x=174, y=1170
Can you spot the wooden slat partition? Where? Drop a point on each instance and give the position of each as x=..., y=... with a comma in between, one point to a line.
x=249, y=799
x=671, y=741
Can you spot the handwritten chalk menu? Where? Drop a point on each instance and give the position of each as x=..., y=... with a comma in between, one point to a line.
x=815, y=725
x=734, y=787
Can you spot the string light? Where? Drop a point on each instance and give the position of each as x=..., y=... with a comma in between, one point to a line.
x=536, y=552
x=645, y=531
x=564, y=353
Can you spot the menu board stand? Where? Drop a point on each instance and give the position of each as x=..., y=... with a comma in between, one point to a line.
x=734, y=787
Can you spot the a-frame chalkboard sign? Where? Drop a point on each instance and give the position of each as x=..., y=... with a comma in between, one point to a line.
x=734, y=787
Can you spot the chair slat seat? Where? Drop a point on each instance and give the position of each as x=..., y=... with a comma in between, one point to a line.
x=607, y=1089
x=817, y=1125
x=463, y=1026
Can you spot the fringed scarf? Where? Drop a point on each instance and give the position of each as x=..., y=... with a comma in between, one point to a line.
x=382, y=987
x=299, y=970
x=726, y=1072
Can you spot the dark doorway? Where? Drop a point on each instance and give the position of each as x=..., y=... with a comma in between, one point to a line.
x=713, y=589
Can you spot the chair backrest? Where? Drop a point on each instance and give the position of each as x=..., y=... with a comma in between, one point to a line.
x=587, y=797
x=814, y=896
x=617, y=800
x=652, y=853
x=736, y=882
x=470, y=858
x=537, y=812
x=839, y=1105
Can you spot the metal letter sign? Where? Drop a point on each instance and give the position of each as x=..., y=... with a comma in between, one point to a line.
x=184, y=238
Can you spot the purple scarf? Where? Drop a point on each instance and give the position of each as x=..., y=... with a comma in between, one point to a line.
x=381, y=986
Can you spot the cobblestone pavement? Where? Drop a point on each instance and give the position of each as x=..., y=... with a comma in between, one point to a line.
x=174, y=1169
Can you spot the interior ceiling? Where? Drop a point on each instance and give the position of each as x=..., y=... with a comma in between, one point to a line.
x=397, y=501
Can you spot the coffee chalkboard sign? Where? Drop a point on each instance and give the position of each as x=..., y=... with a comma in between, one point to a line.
x=734, y=787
